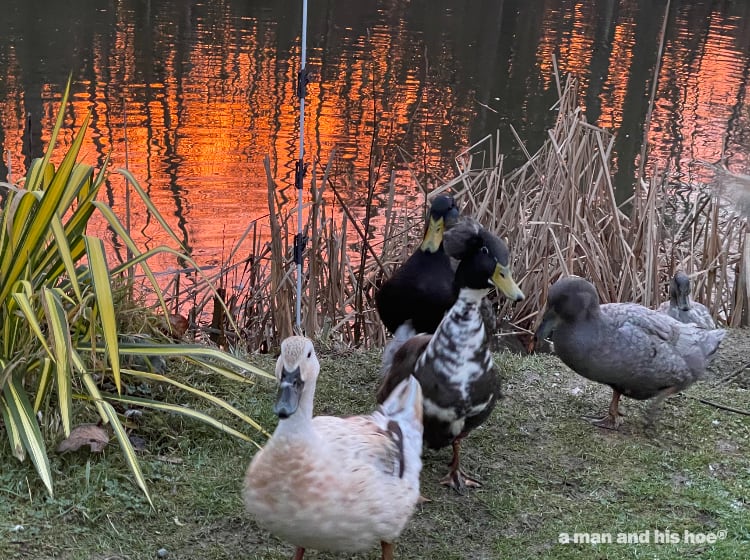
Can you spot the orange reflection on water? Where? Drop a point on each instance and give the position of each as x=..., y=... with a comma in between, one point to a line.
x=620, y=60
x=209, y=91
x=704, y=107
x=568, y=34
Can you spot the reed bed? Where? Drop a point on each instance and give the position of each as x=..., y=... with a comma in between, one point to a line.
x=559, y=215
x=557, y=211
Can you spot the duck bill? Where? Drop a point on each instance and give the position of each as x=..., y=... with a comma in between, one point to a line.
x=434, y=235
x=549, y=322
x=504, y=282
x=290, y=392
x=682, y=302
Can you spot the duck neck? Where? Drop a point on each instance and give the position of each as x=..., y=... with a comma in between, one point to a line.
x=300, y=422
x=472, y=297
x=457, y=350
x=464, y=319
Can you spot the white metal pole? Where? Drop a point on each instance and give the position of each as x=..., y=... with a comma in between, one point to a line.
x=301, y=86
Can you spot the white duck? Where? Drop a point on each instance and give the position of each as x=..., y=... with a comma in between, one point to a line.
x=331, y=483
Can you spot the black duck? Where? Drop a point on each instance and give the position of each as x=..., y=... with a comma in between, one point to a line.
x=421, y=290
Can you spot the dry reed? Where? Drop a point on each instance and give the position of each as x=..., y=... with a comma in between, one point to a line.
x=557, y=211
x=559, y=215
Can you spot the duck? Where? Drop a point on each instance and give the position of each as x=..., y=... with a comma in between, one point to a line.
x=681, y=307
x=638, y=352
x=339, y=484
x=421, y=290
x=454, y=365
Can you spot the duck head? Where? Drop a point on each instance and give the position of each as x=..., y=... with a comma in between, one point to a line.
x=296, y=367
x=443, y=216
x=569, y=300
x=679, y=291
x=484, y=259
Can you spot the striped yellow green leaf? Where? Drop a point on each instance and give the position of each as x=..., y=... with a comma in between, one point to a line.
x=40, y=174
x=29, y=313
x=75, y=227
x=63, y=248
x=28, y=429
x=207, y=396
x=127, y=449
x=151, y=207
x=31, y=237
x=94, y=394
x=139, y=257
x=36, y=176
x=57, y=322
x=79, y=180
x=62, y=176
x=20, y=209
x=19, y=452
x=194, y=351
x=105, y=303
x=184, y=411
x=45, y=375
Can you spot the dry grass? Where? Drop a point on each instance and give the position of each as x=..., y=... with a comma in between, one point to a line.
x=558, y=212
x=559, y=215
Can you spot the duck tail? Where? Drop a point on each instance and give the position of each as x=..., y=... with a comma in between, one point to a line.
x=713, y=340
x=403, y=333
x=404, y=404
x=403, y=407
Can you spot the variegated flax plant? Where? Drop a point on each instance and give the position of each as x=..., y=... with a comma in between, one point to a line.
x=62, y=338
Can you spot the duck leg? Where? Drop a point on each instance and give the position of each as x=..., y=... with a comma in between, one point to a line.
x=299, y=553
x=387, y=549
x=456, y=478
x=613, y=419
x=653, y=410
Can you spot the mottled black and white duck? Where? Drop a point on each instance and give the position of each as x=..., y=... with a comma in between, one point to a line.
x=681, y=307
x=640, y=353
x=454, y=365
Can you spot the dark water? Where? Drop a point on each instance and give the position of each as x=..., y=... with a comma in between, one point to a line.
x=208, y=90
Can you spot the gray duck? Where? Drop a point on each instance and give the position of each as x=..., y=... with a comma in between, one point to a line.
x=681, y=307
x=640, y=353
x=454, y=365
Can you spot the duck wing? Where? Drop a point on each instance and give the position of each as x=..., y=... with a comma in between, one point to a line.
x=648, y=351
x=636, y=321
x=358, y=440
x=422, y=290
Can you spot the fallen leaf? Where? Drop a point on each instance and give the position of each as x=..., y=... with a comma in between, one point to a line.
x=92, y=435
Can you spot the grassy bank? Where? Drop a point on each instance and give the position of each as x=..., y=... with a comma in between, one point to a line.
x=545, y=472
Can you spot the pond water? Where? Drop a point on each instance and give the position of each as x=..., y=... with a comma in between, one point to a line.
x=207, y=90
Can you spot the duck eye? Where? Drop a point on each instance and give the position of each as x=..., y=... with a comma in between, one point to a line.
x=485, y=250
x=309, y=353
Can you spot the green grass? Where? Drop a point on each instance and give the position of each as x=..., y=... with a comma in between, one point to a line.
x=545, y=472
